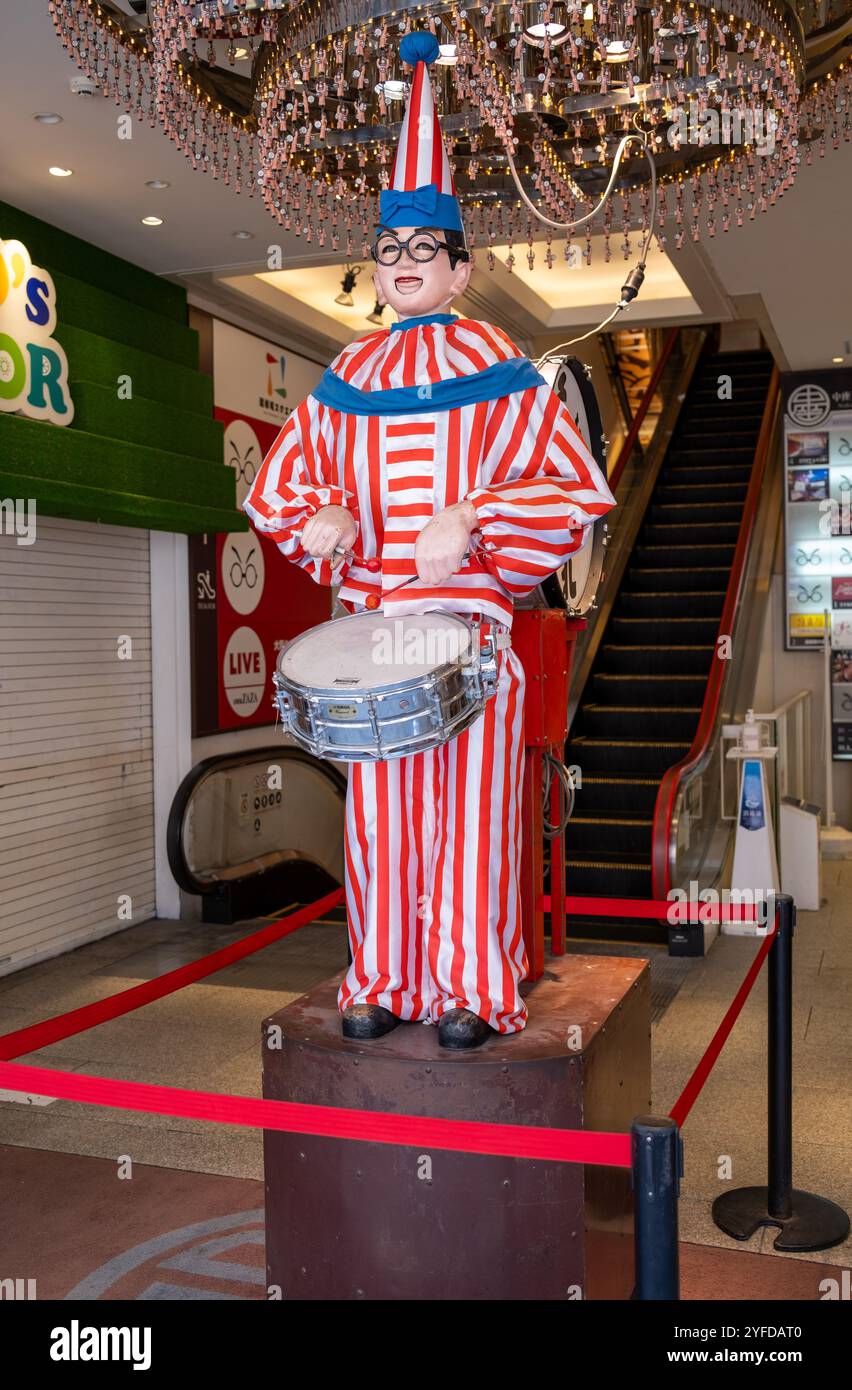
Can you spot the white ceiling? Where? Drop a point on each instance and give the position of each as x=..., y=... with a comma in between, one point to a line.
x=789, y=268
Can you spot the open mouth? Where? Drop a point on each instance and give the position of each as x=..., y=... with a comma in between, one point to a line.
x=408, y=284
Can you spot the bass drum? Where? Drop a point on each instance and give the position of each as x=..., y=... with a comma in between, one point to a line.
x=575, y=585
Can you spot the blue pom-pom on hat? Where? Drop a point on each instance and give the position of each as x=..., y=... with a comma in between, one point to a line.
x=419, y=47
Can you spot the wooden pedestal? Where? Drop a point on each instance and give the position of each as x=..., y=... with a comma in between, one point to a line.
x=348, y=1220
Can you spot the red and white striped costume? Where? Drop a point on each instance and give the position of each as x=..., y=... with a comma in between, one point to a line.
x=433, y=840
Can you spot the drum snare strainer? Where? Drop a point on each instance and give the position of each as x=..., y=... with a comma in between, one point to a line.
x=369, y=687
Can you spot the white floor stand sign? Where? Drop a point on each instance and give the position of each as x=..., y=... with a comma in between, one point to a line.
x=755, y=870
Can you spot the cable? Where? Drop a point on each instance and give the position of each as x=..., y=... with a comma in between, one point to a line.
x=551, y=767
x=633, y=283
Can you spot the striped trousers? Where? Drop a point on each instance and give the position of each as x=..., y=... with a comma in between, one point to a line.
x=433, y=846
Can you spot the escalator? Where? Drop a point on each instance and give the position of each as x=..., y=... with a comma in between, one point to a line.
x=642, y=701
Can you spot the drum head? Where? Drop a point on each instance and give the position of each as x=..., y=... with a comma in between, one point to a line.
x=575, y=585
x=368, y=651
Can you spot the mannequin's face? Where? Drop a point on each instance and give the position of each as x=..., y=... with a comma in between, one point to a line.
x=414, y=287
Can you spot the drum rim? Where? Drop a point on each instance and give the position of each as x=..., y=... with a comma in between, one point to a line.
x=391, y=687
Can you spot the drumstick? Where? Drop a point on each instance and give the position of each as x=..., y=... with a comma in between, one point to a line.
x=373, y=565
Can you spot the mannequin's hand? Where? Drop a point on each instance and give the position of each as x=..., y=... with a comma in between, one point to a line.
x=443, y=541
x=327, y=529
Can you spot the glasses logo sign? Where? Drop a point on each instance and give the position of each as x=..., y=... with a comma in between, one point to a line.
x=244, y=454
x=242, y=571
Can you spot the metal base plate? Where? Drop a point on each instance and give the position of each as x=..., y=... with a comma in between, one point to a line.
x=815, y=1223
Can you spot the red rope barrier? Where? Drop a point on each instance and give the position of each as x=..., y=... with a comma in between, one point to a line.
x=52, y=1030
x=694, y=1085
x=648, y=907
x=333, y=1122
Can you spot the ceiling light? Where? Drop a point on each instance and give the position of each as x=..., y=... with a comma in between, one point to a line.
x=157, y=183
x=394, y=89
x=152, y=221
x=244, y=236
x=617, y=51
x=48, y=118
x=376, y=316
x=347, y=285
x=837, y=359
x=447, y=55
x=241, y=53
x=546, y=31
x=59, y=173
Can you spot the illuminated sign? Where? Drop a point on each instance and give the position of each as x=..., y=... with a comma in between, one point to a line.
x=818, y=529
x=33, y=368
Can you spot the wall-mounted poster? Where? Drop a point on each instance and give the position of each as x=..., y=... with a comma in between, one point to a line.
x=246, y=599
x=818, y=528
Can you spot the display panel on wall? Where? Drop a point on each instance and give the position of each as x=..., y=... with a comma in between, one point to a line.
x=818, y=529
x=98, y=345
x=246, y=599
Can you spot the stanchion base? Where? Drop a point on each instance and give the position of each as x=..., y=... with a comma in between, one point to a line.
x=815, y=1223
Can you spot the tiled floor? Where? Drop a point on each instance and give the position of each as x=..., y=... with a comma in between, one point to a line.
x=729, y=1119
x=207, y=1036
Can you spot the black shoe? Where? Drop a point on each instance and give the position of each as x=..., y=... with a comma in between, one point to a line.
x=368, y=1021
x=459, y=1028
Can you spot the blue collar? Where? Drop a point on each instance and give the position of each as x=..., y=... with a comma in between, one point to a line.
x=424, y=318
x=500, y=379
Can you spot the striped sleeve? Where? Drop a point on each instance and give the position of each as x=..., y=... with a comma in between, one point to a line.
x=297, y=477
x=541, y=489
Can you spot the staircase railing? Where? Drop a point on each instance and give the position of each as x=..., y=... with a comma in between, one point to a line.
x=632, y=480
x=689, y=840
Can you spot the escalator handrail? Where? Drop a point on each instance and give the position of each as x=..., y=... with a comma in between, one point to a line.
x=633, y=433
x=672, y=778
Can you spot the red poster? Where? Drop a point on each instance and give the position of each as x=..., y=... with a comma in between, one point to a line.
x=263, y=600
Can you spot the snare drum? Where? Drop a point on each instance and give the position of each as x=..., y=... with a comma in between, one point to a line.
x=370, y=688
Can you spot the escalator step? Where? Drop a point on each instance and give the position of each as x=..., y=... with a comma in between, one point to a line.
x=655, y=660
x=632, y=631
x=591, y=835
x=650, y=578
x=697, y=491
x=708, y=532
x=635, y=796
x=683, y=602
x=706, y=472
x=649, y=721
x=708, y=453
x=715, y=414
x=642, y=757
x=702, y=555
x=596, y=878
x=705, y=511
x=643, y=690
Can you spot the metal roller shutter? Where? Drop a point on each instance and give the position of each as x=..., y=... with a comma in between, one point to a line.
x=76, y=773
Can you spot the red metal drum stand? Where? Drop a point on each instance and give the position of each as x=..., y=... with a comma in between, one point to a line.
x=544, y=640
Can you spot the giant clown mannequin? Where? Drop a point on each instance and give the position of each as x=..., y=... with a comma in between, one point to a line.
x=439, y=449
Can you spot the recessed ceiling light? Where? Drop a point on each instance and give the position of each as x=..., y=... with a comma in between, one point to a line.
x=152, y=221
x=48, y=118
x=241, y=53
x=59, y=173
x=244, y=236
x=157, y=183
x=837, y=359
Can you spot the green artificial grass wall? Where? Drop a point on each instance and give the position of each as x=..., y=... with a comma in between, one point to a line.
x=154, y=460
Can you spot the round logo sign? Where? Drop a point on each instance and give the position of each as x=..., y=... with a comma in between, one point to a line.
x=809, y=404
x=244, y=672
x=242, y=570
x=244, y=454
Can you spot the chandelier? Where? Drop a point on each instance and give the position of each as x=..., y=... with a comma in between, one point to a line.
x=535, y=102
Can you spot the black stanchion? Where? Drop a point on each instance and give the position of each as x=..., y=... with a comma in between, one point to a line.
x=806, y=1222
x=655, y=1148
